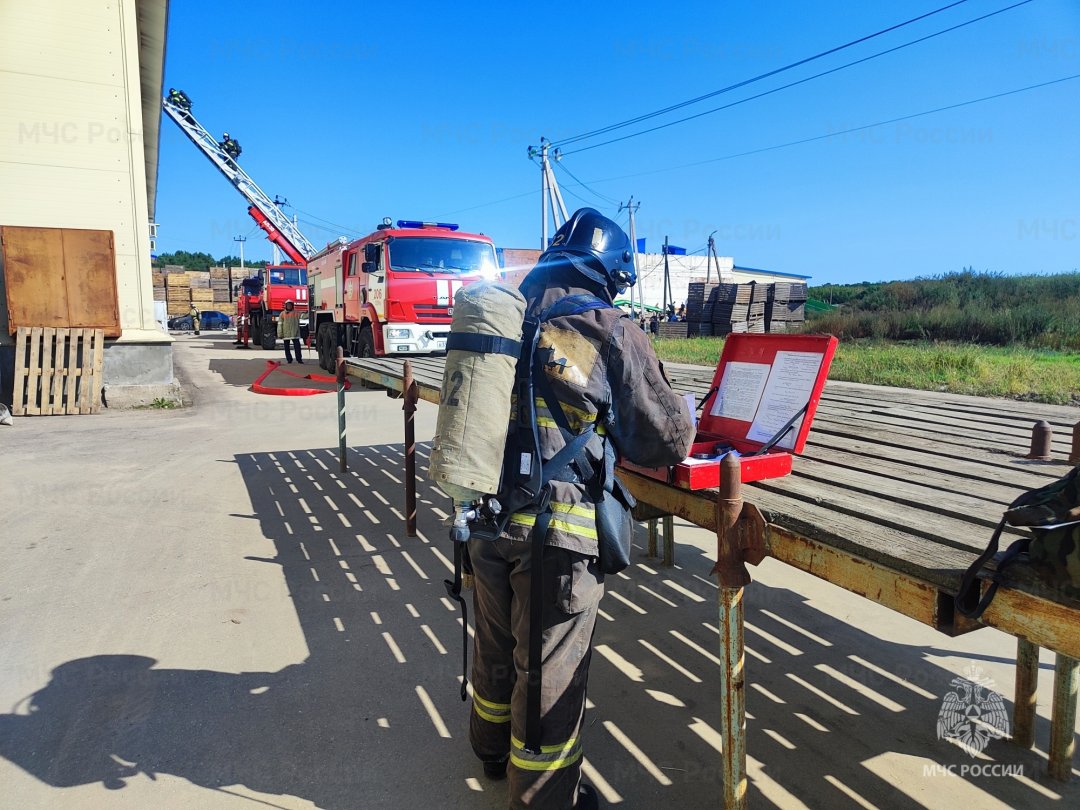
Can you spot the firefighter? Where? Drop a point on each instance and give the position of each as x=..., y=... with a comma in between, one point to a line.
x=179, y=99
x=230, y=146
x=195, y=316
x=288, y=328
x=599, y=365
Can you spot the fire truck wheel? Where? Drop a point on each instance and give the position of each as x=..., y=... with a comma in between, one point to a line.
x=324, y=346
x=269, y=334
x=365, y=346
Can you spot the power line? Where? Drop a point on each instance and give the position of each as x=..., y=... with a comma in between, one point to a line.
x=800, y=81
x=758, y=78
x=485, y=205
x=794, y=143
x=592, y=191
x=843, y=131
x=320, y=219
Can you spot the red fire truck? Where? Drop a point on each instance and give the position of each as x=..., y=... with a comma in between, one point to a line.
x=392, y=292
x=261, y=298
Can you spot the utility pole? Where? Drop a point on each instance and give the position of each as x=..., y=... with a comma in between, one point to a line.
x=241, y=240
x=632, y=207
x=709, y=257
x=667, y=274
x=550, y=196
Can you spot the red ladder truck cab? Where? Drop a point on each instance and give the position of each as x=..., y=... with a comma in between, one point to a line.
x=392, y=292
x=260, y=299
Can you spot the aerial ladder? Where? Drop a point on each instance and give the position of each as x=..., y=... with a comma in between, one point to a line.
x=256, y=300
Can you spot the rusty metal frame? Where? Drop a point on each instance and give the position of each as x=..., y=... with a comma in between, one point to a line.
x=743, y=536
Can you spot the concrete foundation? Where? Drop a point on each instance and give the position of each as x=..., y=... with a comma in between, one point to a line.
x=134, y=374
x=137, y=374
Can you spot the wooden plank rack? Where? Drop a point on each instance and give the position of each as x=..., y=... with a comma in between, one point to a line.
x=895, y=494
x=57, y=371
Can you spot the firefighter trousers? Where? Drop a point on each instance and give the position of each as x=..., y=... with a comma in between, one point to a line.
x=573, y=585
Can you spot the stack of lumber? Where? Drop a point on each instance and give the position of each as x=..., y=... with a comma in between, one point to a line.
x=200, y=280
x=219, y=283
x=673, y=329
x=731, y=306
x=786, y=310
x=202, y=297
x=699, y=308
x=755, y=317
x=158, y=280
x=177, y=293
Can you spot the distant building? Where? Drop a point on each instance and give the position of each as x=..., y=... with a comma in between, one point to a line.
x=682, y=269
x=80, y=97
x=744, y=275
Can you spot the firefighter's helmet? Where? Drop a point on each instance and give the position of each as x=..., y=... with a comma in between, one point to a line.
x=596, y=247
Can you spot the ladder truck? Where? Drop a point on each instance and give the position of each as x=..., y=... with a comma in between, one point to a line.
x=262, y=298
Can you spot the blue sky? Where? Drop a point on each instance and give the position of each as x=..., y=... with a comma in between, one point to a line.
x=425, y=110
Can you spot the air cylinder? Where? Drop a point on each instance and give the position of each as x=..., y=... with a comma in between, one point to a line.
x=474, y=407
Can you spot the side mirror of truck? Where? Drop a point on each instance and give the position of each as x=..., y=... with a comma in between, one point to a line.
x=368, y=267
x=371, y=254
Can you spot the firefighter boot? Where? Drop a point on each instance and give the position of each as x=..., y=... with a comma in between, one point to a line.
x=587, y=798
x=495, y=770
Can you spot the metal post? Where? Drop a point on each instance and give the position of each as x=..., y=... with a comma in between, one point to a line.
x=652, y=537
x=343, y=461
x=708, y=261
x=1027, y=683
x=411, y=394
x=1042, y=437
x=669, y=541
x=666, y=271
x=1063, y=718
x=733, y=577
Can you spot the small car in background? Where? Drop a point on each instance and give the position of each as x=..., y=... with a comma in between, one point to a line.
x=209, y=320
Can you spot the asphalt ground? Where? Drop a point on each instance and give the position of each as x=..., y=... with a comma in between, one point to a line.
x=198, y=610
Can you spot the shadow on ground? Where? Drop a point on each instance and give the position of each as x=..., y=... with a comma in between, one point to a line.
x=372, y=717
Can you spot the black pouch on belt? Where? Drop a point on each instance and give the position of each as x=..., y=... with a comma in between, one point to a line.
x=614, y=523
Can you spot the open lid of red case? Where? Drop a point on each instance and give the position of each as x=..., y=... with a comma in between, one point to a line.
x=762, y=381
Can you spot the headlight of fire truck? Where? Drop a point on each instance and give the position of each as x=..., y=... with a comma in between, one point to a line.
x=398, y=334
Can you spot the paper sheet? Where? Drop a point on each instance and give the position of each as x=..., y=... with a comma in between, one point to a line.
x=788, y=388
x=740, y=390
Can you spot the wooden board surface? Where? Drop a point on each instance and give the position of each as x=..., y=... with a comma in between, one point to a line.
x=911, y=481
x=60, y=278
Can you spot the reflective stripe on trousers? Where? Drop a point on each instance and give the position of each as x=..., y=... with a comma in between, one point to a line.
x=550, y=758
x=491, y=711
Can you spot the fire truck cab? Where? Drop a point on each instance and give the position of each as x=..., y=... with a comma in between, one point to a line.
x=392, y=292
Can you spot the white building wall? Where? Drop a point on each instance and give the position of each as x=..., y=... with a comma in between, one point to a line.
x=682, y=269
x=71, y=135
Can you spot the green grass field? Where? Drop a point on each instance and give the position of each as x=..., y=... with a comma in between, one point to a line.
x=1017, y=373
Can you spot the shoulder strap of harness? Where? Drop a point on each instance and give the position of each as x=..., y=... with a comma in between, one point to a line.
x=483, y=344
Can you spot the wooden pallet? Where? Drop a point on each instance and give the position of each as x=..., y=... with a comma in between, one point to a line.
x=57, y=371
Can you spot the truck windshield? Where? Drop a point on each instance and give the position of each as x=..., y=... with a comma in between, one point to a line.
x=288, y=275
x=436, y=255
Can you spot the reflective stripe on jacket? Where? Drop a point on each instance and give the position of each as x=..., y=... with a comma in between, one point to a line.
x=600, y=365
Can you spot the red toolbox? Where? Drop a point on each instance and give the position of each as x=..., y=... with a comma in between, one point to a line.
x=763, y=384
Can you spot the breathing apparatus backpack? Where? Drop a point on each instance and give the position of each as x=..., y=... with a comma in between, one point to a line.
x=488, y=329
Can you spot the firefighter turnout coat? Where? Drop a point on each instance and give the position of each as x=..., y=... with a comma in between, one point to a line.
x=602, y=368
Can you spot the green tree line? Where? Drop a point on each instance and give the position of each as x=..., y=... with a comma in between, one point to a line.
x=201, y=261
x=984, y=308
